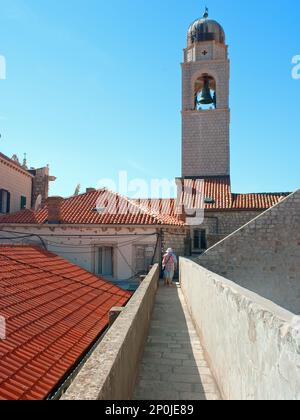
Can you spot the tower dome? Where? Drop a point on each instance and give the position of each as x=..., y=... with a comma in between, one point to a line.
x=205, y=29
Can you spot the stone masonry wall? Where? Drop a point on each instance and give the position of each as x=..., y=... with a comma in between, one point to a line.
x=218, y=69
x=205, y=143
x=205, y=134
x=176, y=239
x=230, y=221
x=218, y=225
x=264, y=255
x=40, y=185
x=252, y=345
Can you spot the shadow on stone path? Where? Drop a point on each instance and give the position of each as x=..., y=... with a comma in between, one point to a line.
x=174, y=366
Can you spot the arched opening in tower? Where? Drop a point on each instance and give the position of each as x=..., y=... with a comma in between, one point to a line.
x=205, y=93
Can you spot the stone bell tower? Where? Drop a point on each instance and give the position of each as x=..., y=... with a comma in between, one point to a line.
x=205, y=101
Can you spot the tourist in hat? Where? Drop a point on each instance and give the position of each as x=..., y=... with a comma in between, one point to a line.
x=169, y=265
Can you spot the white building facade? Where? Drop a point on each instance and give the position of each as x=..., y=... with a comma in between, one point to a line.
x=120, y=242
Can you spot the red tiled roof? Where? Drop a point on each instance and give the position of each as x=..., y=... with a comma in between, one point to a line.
x=81, y=209
x=262, y=201
x=54, y=311
x=162, y=206
x=121, y=210
x=217, y=195
x=216, y=189
x=192, y=197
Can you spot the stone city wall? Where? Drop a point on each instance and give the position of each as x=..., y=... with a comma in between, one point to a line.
x=264, y=255
x=111, y=371
x=253, y=345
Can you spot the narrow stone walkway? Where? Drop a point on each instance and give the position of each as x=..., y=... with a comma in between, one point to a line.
x=173, y=365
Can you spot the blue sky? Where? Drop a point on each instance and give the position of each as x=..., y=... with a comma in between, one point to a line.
x=94, y=87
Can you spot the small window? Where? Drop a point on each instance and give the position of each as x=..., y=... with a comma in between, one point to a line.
x=105, y=262
x=23, y=203
x=200, y=241
x=4, y=201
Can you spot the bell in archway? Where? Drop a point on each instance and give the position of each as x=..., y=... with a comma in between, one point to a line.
x=206, y=98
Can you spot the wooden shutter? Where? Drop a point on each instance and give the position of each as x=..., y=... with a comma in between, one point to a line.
x=8, y=202
x=23, y=203
x=1, y=201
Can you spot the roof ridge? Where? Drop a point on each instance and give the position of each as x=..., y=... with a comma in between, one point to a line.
x=22, y=246
x=96, y=190
x=263, y=193
x=119, y=195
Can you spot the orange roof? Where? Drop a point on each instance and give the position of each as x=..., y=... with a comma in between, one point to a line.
x=262, y=201
x=215, y=189
x=219, y=189
x=114, y=210
x=54, y=312
x=217, y=196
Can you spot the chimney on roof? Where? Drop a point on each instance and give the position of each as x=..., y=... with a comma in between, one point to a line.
x=89, y=190
x=54, y=210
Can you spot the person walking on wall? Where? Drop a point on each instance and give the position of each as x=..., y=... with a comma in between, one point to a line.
x=169, y=265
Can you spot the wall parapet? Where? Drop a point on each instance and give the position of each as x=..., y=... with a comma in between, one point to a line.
x=111, y=371
x=264, y=254
x=252, y=344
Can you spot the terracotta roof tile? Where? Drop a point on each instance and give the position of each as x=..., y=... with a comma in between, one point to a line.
x=54, y=311
x=114, y=210
x=216, y=194
x=261, y=201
